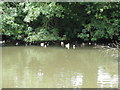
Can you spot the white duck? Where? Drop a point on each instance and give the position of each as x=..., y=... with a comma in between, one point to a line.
x=41, y=44
x=73, y=46
x=16, y=44
x=67, y=46
x=62, y=43
x=83, y=44
x=89, y=43
x=45, y=46
x=26, y=44
x=2, y=42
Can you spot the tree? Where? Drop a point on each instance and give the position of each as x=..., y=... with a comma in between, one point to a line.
x=43, y=21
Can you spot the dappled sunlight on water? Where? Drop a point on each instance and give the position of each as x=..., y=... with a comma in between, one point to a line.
x=54, y=67
x=77, y=80
x=106, y=80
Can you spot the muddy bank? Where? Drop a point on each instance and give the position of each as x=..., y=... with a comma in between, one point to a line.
x=64, y=43
x=102, y=43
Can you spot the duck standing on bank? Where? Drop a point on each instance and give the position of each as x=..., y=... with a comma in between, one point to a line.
x=62, y=44
x=73, y=46
x=82, y=45
x=2, y=42
x=42, y=44
x=67, y=46
x=16, y=44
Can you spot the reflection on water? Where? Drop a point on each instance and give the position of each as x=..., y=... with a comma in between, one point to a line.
x=77, y=80
x=36, y=67
x=106, y=80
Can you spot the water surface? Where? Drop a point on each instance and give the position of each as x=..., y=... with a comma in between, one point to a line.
x=54, y=67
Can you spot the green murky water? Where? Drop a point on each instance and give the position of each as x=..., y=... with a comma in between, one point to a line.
x=54, y=67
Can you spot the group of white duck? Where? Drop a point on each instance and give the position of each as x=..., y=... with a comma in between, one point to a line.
x=43, y=44
x=63, y=44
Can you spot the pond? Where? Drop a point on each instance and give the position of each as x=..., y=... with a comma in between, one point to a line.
x=57, y=67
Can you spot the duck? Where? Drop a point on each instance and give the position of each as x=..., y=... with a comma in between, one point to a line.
x=16, y=44
x=83, y=44
x=62, y=43
x=45, y=46
x=41, y=44
x=73, y=46
x=67, y=46
x=89, y=43
x=2, y=42
x=26, y=44
x=95, y=44
x=30, y=44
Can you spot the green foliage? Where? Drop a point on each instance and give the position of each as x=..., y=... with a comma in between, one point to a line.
x=42, y=34
x=40, y=21
x=49, y=10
